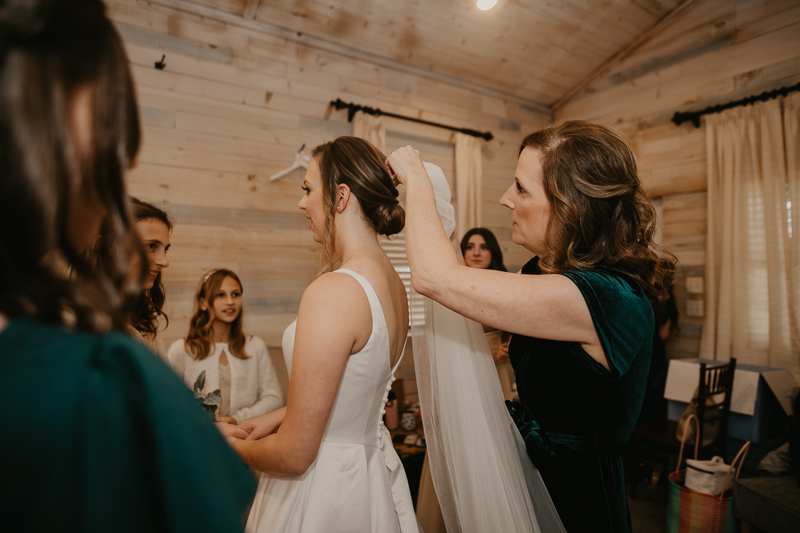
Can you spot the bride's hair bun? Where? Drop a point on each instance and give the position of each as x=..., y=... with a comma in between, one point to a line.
x=389, y=219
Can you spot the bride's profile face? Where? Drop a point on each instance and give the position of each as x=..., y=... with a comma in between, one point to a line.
x=312, y=201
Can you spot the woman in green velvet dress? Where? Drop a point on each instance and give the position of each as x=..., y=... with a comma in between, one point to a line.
x=580, y=310
x=99, y=434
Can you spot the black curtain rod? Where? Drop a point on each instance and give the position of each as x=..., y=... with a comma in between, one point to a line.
x=694, y=116
x=352, y=109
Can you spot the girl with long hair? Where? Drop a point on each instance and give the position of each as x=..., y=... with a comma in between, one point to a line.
x=331, y=466
x=237, y=364
x=114, y=442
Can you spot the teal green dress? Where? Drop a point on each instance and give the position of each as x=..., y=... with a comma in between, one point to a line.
x=575, y=415
x=99, y=435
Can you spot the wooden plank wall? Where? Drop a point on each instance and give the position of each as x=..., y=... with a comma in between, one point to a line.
x=231, y=108
x=714, y=52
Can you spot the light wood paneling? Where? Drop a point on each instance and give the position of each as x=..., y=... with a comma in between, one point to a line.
x=719, y=50
x=232, y=108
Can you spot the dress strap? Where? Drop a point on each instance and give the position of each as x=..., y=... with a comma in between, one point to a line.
x=374, y=304
x=372, y=296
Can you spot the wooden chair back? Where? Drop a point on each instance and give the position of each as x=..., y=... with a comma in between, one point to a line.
x=715, y=380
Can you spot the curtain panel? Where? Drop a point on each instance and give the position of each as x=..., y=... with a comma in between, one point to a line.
x=371, y=128
x=469, y=182
x=752, y=251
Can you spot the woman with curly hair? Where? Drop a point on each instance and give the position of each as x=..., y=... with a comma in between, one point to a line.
x=581, y=311
x=153, y=227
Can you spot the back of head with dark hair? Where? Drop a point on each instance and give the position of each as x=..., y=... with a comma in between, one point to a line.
x=360, y=165
x=600, y=214
x=50, y=49
x=491, y=244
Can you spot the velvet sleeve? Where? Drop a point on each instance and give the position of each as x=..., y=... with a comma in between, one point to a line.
x=148, y=440
x=621, y=312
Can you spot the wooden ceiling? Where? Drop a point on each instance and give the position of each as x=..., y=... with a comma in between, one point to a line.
x=529, y=51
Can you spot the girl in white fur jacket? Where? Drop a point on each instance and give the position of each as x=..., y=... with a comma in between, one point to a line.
x=238, y=365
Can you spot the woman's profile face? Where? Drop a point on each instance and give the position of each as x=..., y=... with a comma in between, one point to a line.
x=530, y=209
x=477, y=254
x=155, y=237
x=312, y=201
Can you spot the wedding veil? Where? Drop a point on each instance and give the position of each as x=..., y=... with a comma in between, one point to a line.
x=483, y=477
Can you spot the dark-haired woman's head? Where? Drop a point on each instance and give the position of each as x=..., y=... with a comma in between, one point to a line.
x=481, y=250
x=154, y=228
x=69, y=130
x=577, y=202
x=349, y=166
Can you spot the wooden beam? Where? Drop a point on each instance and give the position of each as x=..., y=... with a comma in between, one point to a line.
x=351, y=52
x=250, y=10
x=624, y=52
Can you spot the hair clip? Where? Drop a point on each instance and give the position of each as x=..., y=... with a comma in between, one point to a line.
x=205, y=279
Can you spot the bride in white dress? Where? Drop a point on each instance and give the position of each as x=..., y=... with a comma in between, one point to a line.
x=327, y=460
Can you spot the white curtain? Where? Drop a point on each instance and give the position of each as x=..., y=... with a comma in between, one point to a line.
x=371, y=128
x=469, y=170
x=752, y=251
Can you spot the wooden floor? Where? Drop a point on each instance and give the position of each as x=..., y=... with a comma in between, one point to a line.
x=649, y=509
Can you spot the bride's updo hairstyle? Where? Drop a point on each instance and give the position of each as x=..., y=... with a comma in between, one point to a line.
x=49, y=51
x=600, y=214
x=357, y=163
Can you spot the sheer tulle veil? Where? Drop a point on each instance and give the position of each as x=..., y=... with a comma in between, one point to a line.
x=483, y=478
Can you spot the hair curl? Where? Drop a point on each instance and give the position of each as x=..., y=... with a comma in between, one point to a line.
x=492, y=245
x=360, y=165
x=49, y=50
x=198, y=342
x=600, y=214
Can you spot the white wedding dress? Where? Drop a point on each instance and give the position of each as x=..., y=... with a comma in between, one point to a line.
x=357, y=483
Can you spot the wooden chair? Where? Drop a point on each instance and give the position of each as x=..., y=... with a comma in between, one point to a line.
x=655, y=443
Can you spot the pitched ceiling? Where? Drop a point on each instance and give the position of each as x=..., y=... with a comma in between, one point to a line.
x=531, y=51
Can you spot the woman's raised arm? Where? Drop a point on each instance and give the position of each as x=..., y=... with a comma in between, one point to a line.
x=546, y=306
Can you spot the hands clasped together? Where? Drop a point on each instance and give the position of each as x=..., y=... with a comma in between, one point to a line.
x=254, y=428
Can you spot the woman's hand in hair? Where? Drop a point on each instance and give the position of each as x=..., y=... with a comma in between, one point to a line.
x=405, y=163
x=259, y=427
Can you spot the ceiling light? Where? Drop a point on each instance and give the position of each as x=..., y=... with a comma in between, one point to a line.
x=485, y=5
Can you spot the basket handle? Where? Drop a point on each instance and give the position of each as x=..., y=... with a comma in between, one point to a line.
x=683, y=440
x=739, y=457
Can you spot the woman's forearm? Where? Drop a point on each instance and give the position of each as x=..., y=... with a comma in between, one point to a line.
x=429, y=252
x=272, y=455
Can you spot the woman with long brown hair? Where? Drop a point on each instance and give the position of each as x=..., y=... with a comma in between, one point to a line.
x=146, y=310
x=332, y=467
x=216, y=346
x=581, y=310
x=112, y=440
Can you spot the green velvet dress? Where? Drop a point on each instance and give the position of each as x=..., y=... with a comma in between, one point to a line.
x=99, y=435
x=575, y=415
